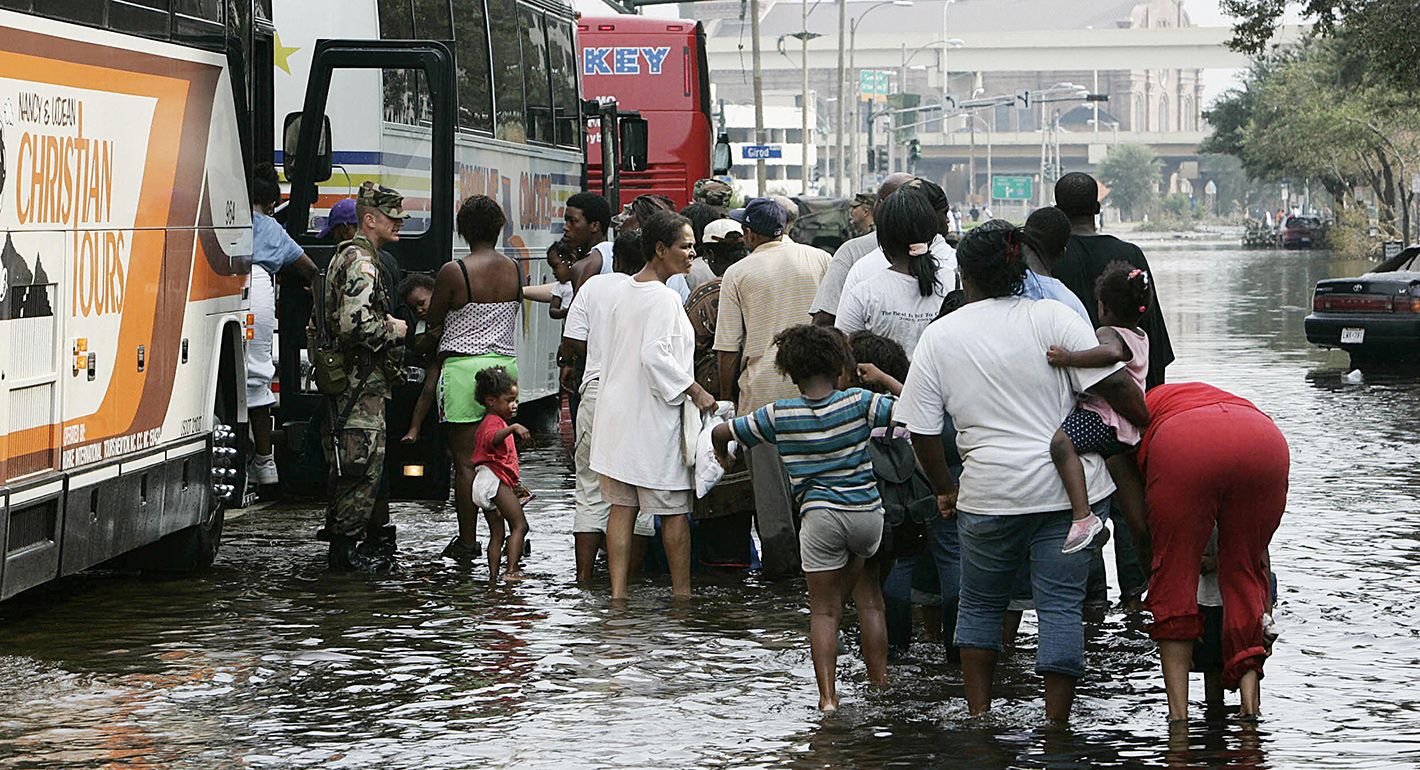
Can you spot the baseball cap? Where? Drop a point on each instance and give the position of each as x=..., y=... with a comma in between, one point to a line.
x=717, y=230
x=763, y=216
x=386, y=201
x=342, y=213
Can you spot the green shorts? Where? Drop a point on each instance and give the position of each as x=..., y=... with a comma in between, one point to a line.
x=456, y=385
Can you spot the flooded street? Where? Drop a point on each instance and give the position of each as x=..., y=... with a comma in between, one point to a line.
x=265, y=661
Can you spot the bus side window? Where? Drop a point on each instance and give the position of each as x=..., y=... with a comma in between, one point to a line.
x=16, y=5
x=81, y=11
x=567, y=124
x=432, y=21
x=206, y=10
x=148, y=18
x=535, y=75
x=396, y=20
x=471, y=58
x=507, y=71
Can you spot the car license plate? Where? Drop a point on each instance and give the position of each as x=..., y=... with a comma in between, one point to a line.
x=1353, y=336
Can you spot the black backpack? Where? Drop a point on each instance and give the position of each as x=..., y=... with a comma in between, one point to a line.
x=909, y=504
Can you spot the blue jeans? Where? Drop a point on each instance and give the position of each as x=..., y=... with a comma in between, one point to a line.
x=993, y=549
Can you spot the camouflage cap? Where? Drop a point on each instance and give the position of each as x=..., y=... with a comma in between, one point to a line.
x=712, y=192
x=865, y=199
x=386, y=201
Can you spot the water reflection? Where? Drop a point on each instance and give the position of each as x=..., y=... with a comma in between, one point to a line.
x=267, y=662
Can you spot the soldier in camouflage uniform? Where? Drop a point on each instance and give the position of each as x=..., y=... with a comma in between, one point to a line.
x=357, y=306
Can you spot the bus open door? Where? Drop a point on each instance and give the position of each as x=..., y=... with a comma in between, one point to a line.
x=327, y=161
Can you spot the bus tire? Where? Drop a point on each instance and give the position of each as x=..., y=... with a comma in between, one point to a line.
x=195, y=548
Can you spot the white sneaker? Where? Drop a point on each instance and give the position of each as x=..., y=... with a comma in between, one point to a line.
x=262, y=470
x=1082, y=533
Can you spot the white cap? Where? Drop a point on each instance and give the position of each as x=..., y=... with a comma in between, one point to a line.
x=717, y=230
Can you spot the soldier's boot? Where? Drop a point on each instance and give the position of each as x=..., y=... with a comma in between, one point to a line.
x=378, y=551
x=347, y=555
x=381, y=539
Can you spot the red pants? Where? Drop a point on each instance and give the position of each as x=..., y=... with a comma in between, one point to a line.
x=1222, y=464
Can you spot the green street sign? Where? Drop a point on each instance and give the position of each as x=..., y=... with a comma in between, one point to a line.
x=1012, y=188
x=874, y=83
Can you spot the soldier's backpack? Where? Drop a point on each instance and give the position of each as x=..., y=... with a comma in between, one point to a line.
x=327, y=359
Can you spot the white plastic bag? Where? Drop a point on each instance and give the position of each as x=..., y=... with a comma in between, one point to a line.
x=708, y=470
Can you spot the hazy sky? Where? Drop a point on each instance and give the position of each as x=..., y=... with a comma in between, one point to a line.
x=1205, y=13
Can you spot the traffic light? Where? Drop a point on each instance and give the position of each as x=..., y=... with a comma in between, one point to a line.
x=914, y=151
x=872, y=161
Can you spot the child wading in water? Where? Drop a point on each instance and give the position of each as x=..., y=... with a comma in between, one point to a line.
x=823, y=438
x=1124, y=295
x=495, y=461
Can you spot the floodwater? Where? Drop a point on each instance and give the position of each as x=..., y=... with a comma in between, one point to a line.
x=266, y=662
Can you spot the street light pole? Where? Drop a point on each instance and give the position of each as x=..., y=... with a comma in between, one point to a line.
x=838, y=174
x=759, y=137
x=804, y=108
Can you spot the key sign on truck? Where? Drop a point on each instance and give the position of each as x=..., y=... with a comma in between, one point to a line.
x=623, y=61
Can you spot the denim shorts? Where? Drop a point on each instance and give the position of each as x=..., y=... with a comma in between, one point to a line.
x=993, y=549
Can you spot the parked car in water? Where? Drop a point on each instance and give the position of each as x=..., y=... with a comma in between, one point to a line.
x=1301, y=232
x=1373, y=315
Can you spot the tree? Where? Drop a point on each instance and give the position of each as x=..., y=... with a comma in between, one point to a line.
x=1386, y=33
x=1132, y=172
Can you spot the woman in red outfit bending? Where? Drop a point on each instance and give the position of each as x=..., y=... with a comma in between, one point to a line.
x=1209, y=458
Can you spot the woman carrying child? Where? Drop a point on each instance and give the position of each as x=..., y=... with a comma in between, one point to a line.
x=475, y=311
x=496, y=489
x=822, y=437
x=1124, y=294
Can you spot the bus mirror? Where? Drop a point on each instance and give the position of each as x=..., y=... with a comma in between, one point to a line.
x=720, y=161
x=634, y=141
x=291, y=137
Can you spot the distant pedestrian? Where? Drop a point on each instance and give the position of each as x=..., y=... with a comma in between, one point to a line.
x=649, y=366
x=497, y=488
x=975, y=213
x=822, y=436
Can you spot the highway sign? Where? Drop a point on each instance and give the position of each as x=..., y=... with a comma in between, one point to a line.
x=1012, y=188
x=873, y=85
x=761, y=151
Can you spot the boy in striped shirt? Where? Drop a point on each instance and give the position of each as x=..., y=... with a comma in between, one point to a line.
x=822, y=437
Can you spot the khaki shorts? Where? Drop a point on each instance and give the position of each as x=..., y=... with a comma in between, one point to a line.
x=829, y=536
x=657, y=502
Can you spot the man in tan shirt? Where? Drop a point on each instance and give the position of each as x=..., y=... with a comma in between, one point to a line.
x=760, y=296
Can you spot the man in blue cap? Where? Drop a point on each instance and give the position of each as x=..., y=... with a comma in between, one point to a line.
x=761, y=295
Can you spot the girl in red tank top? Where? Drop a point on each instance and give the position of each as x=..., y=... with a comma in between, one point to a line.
x=495, y=461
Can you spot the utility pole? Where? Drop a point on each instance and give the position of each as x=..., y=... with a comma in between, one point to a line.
x=759, y=136
x=804, y=107
x=842, y=105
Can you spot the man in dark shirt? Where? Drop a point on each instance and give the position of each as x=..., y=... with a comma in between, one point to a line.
x=1089, y=252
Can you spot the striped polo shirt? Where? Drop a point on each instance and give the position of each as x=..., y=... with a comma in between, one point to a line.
x=824, y=444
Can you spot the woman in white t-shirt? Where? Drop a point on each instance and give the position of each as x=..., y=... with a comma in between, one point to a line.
x=985, y=365
x=899, y=302
x=647, y=373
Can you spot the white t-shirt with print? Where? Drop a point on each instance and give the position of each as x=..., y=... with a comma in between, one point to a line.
x=985, y=365
x=876, y=261
x=891, y=305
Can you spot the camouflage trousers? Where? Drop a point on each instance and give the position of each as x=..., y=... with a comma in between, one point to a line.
x=362, y=460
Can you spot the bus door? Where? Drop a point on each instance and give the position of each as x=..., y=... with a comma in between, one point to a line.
x=342, y=138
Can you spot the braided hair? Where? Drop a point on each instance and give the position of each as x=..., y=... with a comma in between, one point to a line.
x=990, y=258
x=1126, y=291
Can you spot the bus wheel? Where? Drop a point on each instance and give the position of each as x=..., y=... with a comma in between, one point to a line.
x=196, y=547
